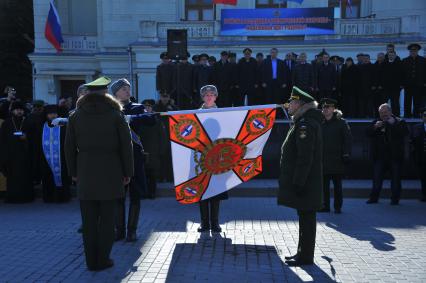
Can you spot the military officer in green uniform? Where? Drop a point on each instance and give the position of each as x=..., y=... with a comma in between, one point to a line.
x=301, y=174
x=99, y=155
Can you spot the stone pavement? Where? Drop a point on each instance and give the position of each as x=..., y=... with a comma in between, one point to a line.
x=367, y=243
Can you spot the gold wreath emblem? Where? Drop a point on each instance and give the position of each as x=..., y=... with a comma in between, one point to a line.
x=262, y=117
x=177, y=129
x=222, y=155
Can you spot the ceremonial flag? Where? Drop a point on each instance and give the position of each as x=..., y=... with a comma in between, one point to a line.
x=214, y=150
x=227, y=2
x=52, y=30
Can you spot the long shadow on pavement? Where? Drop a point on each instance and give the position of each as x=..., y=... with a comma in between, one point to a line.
x=216, y=259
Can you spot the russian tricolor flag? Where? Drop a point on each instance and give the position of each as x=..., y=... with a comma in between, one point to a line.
x=52, y=31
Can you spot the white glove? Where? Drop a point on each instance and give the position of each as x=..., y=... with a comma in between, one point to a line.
x=57, y=121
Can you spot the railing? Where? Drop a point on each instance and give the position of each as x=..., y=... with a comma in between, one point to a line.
x=375, y=27
x=363, y=27
x=80, y=43
x=357, y=27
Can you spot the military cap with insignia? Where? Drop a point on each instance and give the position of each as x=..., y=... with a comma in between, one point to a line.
x=328, y=102
x=98, y=84
x=298, y=94
x=414, y=46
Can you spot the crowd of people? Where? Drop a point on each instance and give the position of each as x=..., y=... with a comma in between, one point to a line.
x=110, y=146
x=358, y=85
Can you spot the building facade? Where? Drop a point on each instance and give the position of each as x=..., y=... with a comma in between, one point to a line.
x=123, y=38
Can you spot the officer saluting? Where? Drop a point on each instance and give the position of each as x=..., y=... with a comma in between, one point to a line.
x=99, y=155
x=300, y=180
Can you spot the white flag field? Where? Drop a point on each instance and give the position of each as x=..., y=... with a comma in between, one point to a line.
x=214, y=150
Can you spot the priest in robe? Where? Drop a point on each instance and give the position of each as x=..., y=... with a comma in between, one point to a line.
x=55, y=179
x=15, y=157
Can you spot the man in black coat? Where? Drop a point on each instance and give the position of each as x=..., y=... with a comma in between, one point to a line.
x=275, y=78
x=388, y=135
x=300, y=180
x=222, y=79
x=414, y=81
x=325, y=78
x=247, y=82
x=183, y=78
x=418, y=139
x=367, y=89
x=392, y=80
x=260, y=91
x=337, y=141
x=202, y=77
x=137, y=187
x=99, y=156
x=164, y=76
x=303, y=74
x=350, y=88
x=379, y=96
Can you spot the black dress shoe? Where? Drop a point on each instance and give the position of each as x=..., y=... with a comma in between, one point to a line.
x=291, y=257
x=299, y=262
x=371, y=200
x=106, y=265
x=324, y=209
x=216, y=229
x=203, y=228
x=394, y=202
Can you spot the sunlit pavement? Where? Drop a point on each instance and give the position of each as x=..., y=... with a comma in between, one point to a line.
x=366, y=243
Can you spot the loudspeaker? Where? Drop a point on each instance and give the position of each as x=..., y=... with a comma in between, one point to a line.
x=177, y=43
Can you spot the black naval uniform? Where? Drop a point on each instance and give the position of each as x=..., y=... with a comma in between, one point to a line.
x=337, y=149
x=301, y=176
x=137, y=187
x=414, y=85
x=98, y=151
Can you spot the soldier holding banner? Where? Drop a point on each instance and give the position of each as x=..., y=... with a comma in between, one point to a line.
x=209, y=208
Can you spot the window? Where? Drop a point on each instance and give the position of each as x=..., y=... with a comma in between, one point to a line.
x=199, y=10
x=271, y=4
x=78, y=17
x=347, y=11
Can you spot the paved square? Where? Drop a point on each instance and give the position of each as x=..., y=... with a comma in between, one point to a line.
x=367, y=243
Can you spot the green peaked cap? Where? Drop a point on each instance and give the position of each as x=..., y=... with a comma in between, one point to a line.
x=298, y=94
x=99, y=83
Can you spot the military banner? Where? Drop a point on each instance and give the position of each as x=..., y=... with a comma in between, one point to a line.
x=214, y=150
